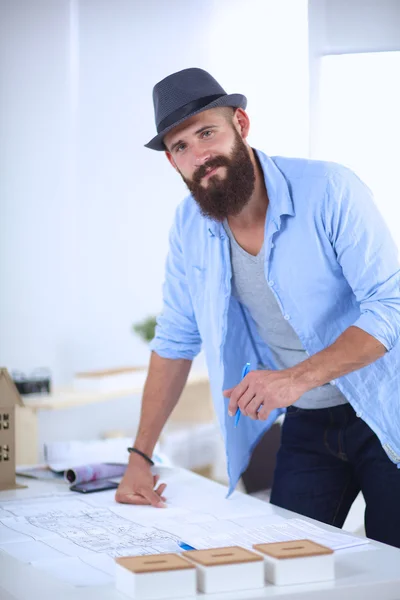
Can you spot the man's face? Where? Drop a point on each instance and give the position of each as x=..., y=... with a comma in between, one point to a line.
x=214, y=162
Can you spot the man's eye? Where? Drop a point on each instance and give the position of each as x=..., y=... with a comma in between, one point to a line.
x=180, y=148
x=207, y=133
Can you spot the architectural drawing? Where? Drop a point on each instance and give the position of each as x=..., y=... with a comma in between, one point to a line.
x=95, y=529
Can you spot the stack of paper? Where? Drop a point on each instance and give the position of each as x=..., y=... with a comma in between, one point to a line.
x=86, y=459
x=191, y=446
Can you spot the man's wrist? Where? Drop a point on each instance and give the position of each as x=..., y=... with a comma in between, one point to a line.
x=141, y=449
x=144, y=455
x=138, y=460
x=303, y=377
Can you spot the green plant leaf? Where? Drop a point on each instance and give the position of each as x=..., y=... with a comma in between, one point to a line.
x=146, y=328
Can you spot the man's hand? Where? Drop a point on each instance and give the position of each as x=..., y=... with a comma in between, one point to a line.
x=260, y=392
x=138, y=486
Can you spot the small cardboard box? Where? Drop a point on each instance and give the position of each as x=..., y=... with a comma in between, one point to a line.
x=227, y=569
x=155, y=576
x=301, y=561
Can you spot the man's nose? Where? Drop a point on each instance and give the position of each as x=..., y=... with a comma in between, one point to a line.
x=200, y=157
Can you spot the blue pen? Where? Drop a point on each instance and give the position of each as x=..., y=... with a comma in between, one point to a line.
x=245, y=370
x=185, y=546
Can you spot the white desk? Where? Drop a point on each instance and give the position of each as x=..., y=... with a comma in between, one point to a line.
x=360, y=575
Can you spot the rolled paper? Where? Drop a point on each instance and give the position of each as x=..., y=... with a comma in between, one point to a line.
x=87, y=473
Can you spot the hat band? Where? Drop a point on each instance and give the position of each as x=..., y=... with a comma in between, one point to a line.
x=186, y=110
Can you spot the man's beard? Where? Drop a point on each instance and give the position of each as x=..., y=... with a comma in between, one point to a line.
x=227, y=196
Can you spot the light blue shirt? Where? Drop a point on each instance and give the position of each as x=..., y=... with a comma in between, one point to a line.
x=330, y=262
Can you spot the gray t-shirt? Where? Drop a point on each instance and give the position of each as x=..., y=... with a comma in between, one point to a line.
x=251, y=289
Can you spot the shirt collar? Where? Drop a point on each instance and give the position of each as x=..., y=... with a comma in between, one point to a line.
x=280, y=200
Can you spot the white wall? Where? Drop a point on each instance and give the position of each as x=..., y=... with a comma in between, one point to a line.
x=85, y=208
x=345, y=27
x=36, y=271
x=260, y=48
x=359, y=25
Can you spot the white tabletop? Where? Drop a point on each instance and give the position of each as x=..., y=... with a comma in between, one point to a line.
x=359, y=574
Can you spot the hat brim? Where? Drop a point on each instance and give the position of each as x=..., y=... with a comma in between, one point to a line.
x=234, y=100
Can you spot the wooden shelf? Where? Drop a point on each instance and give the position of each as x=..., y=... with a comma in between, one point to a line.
x=67, y=397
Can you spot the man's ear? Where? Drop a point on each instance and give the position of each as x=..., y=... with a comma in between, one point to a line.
x=170, y=159
x=241, y=122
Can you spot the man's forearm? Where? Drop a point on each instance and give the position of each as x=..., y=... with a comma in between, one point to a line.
x=352, y=350
x=164, y=385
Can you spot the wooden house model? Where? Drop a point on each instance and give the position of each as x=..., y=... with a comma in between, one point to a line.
x=9, y=399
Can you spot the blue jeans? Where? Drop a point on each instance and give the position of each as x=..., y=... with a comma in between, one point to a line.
x=326, y=457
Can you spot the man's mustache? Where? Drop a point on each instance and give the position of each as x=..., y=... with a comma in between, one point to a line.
x=218, y=161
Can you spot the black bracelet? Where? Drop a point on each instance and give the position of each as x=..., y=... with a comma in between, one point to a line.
x=142, y=454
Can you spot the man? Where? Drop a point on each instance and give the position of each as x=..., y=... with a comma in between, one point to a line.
x=285, y=264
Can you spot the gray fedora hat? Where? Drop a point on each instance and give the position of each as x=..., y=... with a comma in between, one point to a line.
x=184, y=94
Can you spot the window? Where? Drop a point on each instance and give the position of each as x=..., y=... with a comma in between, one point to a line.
x=358, y=123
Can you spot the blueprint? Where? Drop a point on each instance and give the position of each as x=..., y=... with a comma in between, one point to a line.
x=77, y=539
x=74, y=540
x=91, y=528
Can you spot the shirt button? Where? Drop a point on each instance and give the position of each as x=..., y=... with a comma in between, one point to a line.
x=359, y=415
x=333, y=382
x=287, y=317
x=271, y=282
